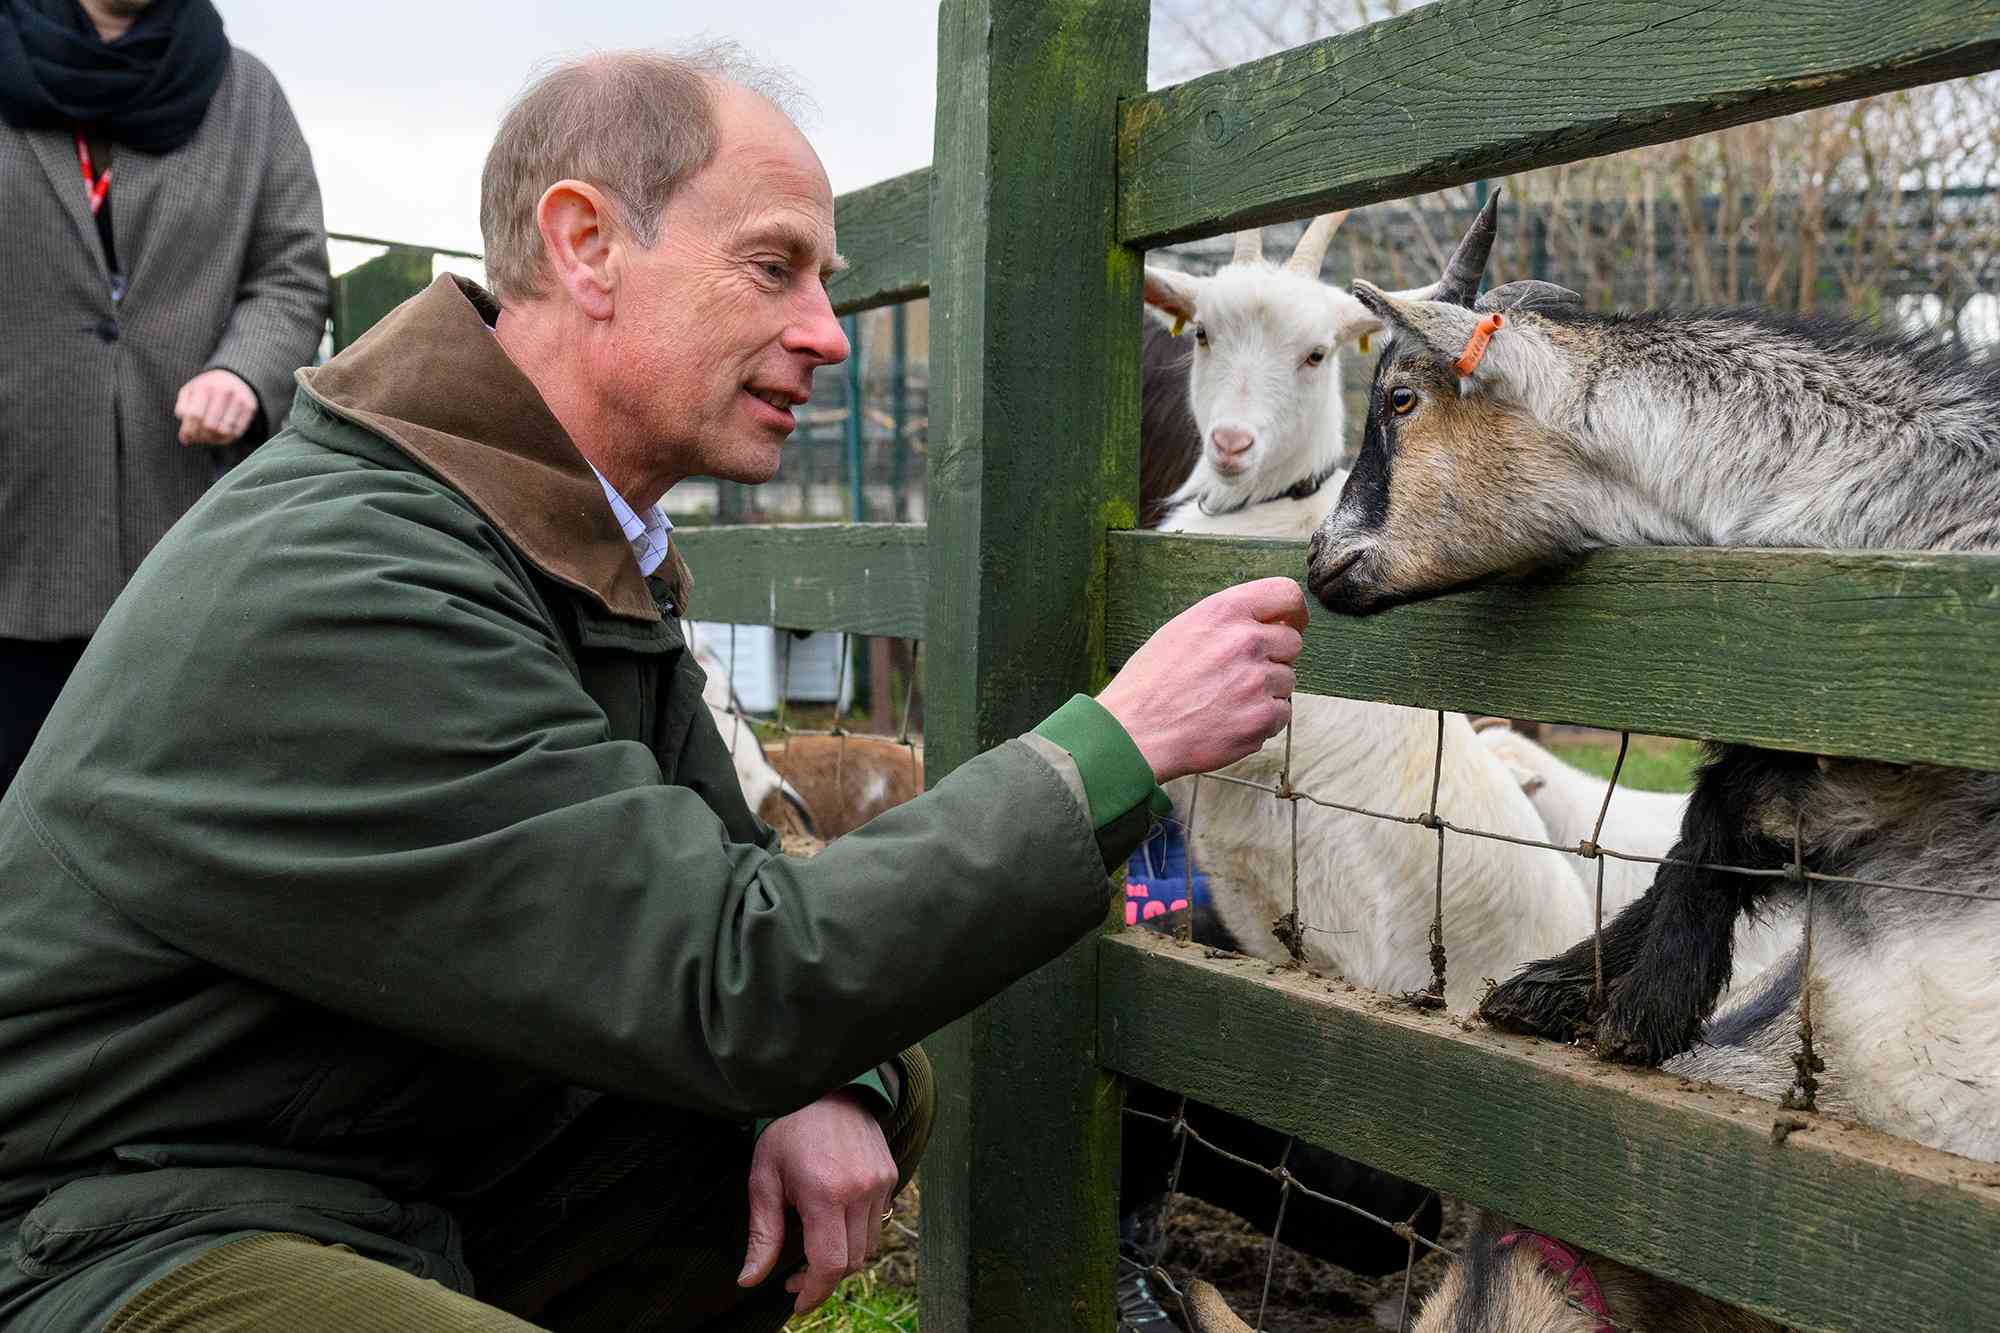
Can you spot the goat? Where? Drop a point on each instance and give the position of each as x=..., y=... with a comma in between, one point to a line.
x=1263, y=379
x=1509, y=1279
x=1169, y=439
x=1515, y=429
x=1643, y=823
x=1365, y=885
x=774, y=800
x=848, y=780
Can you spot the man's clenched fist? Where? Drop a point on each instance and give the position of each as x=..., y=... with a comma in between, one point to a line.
x=1215, y=682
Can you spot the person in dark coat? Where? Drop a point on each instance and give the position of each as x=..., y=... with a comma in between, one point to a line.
x=164, y=272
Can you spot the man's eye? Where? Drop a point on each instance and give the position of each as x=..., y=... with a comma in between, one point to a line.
x=776, y=272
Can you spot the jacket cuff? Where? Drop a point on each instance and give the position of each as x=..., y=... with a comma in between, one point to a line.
x=874, y=1085
x=1117, y=780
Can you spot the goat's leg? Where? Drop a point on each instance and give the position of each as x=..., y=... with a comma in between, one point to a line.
x=1552, y=998
x=1667, y=956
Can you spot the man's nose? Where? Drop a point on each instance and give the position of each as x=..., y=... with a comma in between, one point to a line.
x=816, y=331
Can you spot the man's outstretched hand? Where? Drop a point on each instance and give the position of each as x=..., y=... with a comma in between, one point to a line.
x=1215, y=682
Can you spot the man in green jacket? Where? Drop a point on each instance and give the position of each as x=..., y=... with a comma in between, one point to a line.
x=385, y=942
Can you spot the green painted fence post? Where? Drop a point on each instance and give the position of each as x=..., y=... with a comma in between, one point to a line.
x=1034, y=454
x=371, y=290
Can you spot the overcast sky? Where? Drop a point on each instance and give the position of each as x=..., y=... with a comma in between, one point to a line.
x=399, y=99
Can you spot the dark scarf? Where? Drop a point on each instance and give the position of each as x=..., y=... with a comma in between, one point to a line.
x=148, y=90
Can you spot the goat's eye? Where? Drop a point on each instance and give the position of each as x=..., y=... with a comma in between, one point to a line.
x=1402, y=400
x=1315, y=356
x=1200, y=336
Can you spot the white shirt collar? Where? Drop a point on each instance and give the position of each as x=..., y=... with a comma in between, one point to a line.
x=648, y=532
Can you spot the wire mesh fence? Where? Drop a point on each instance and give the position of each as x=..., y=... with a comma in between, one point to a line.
x=1295, y=931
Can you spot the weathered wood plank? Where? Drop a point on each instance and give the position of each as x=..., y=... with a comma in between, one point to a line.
x=884, y=232
x=1463, y=89
x=1885, y=656
x=865, y=578
x=1838, y=1228
x=1034, y=452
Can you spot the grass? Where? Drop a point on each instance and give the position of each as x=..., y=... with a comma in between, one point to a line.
x=862, y=1304
x=1655, y=763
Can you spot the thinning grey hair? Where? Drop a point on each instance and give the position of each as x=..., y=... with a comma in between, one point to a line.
x=635, y=124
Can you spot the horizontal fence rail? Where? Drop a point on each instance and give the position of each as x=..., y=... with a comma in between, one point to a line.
x=1464, y=89
x=864, y=578
x=1827, y=1225
x=1882, y=656
x=884, y=233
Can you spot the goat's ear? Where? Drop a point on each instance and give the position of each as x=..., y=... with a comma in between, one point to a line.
x=1171, y=292
x=1353, y=322
x=1439, y=325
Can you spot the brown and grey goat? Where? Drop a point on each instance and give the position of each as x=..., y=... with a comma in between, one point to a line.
x=1516, y=429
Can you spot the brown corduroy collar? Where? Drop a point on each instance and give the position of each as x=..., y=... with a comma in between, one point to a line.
x=432, y=379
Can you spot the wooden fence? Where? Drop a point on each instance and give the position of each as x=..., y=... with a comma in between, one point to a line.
x=1055, y=169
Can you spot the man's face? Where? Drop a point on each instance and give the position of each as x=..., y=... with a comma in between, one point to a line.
x=720, y=324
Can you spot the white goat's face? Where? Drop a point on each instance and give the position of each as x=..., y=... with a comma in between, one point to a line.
x=1264, y=380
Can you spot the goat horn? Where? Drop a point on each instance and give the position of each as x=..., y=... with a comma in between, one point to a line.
x=1460, y=281
x=1249, y=246
x=1207, y=1312
x=1311, y=251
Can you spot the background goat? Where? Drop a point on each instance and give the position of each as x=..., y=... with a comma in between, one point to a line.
x=765, y=790
x=1573, y=431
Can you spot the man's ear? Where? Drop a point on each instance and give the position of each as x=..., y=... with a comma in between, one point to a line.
x=1173, y=294
x=578, y=244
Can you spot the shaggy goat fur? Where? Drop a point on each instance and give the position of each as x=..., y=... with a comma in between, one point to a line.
x=1577, y=431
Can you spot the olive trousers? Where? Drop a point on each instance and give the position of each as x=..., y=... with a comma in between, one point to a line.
x=633, y=1220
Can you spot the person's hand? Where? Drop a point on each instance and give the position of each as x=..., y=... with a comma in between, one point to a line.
x=1215, y=682
x=830, y=1163
x=215, y=407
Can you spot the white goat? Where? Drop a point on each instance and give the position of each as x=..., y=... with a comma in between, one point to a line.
x=1265, y=375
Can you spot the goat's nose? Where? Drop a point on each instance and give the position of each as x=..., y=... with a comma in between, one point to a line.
x=1229, y=441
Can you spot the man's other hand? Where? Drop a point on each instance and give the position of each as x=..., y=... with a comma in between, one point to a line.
x=215, y=407
x=1215, y=682
x=831, y=1165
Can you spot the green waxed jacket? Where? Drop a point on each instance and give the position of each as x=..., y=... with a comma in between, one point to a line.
x=383, y=817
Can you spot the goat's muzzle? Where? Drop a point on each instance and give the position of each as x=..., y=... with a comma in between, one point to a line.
x=1229, y=449
x=1339, y=575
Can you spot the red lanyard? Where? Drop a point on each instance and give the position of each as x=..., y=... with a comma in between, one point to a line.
x=96, y=186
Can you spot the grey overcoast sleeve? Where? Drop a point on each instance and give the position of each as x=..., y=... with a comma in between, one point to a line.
x=282, y=296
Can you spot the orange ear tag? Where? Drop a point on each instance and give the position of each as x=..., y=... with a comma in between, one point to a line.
x=1475, y=346
x=1180, y=322
x=1364, y=344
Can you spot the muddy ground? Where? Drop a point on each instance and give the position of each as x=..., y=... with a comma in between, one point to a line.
x=1307, y=1296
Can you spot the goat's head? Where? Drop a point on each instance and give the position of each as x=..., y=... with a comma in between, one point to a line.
x=1460, y=473
x=1264, y=382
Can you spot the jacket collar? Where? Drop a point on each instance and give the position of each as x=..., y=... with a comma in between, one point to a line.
x=432, y=379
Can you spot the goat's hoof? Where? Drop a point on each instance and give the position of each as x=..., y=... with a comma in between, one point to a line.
x=1537, y=1008
x=1624, y=1041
